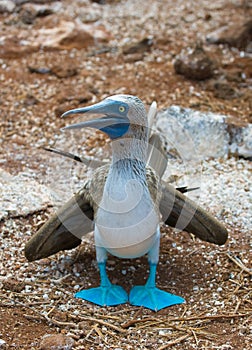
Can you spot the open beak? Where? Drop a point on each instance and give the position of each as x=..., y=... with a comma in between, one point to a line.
x=115, y=123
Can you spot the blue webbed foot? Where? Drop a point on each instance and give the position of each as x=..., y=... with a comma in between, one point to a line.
x=153, y=298
x=150, y=296
x=104, y=295
x=107, y=294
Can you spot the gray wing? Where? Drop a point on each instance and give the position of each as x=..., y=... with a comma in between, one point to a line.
x=179, y=211
x=64, y=229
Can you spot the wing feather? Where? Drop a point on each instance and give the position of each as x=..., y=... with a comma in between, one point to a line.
x=181, y=212
x=63, y=230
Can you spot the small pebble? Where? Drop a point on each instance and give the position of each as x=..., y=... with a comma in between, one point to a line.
x=3, y=344
x=56, y=341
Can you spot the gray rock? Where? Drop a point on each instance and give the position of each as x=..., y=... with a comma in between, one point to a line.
x=242, y=141
x=194, y=63
x=56, y=34
x=225, y=91
x=68, y=35
x=7, y=6
x=56, y=342
x=21, y=195
x=237, y=34
x=138, y=47
x=201, y=135
x=30, y=12
x=3, y=344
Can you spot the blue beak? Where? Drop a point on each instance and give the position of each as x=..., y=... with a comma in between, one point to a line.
x=115, y=122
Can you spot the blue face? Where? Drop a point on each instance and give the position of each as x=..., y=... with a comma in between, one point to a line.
x=120, y=126
x=115, y=123
x=116, y=130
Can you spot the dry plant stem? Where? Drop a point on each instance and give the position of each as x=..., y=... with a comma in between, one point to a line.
x=174, y=342
x=210, y=317
x=89, y=333
x=134, y=321
x=180, y=319
x=237, y=306
x=40, y=315
x=98, y=331
x=64, y=324
x=92, y=319
x=195, y=337
x=239, y=263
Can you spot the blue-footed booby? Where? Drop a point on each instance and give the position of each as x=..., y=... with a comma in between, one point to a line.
x=125, y=200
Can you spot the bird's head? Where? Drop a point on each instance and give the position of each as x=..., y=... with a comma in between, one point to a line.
x=123, y=115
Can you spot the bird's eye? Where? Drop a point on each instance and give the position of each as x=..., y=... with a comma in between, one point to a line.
x=121, y=109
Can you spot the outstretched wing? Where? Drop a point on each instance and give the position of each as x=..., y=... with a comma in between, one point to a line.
x=72, y=221
x=181, y=212
x=64, y=229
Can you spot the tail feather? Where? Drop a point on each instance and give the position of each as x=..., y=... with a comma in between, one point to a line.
x=88, y=161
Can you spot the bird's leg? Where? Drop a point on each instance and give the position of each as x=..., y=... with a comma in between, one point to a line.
x=107, y=294
x=149, y=295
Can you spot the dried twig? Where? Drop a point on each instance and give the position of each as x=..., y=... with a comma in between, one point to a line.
x=237, y=306
x=134, y=321
x=206, y=317
x=239, y=263
x=99, y=332
x=195, y=337
x=174, y=342
x=106, y=324
x=126, y=310
x=61, y=323
x=179, y=319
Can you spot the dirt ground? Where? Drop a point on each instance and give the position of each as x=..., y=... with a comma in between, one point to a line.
x=37, y=86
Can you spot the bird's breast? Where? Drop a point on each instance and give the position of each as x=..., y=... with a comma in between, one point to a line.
x=126, y=220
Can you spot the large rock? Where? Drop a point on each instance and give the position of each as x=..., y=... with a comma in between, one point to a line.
x=53, y=35
x=3, y=344
x=21, y=195
x=237, y=34
x=241, y=141
x=30, y=12
x=201, y=135
x=194, y=63
x=67, y=35
x=7, y=6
